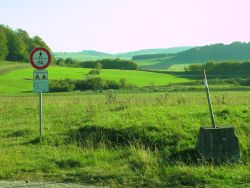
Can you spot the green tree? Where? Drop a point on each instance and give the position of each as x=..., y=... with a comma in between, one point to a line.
x=24, y=36
x=3, y=45
x=16, y=47
x=38, y=42
x=98, y=65
x=60, y=62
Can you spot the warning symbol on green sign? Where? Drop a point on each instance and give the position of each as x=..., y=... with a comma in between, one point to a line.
x=37, y=77
x=44, y=77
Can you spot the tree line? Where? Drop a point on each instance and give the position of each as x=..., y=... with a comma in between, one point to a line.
x=16, y=45
x=222, y=67
x=105, y=63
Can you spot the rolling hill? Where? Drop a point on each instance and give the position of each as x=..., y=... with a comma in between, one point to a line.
x=236, y=51
x=94, y=55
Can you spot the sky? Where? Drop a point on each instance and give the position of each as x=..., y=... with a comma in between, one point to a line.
x=125, y=25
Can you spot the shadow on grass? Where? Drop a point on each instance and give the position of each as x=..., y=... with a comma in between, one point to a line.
x=149, y=137
x=187, y=156
x=200, y=75
x=50, y=140
x=34, y=141
x=68, y=163
x=90, y=179
x=185, y=179
x=19, y=133
x=191, y=156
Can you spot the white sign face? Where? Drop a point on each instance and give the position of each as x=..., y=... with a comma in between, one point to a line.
x=40, y=58
x=40, y=81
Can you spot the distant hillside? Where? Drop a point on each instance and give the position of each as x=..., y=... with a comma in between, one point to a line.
x=236, y=51
x=151, y=57
x=154, y=51
x=84, y=55
x=95, y=55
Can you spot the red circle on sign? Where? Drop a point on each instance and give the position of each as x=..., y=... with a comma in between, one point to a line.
x=33, y=63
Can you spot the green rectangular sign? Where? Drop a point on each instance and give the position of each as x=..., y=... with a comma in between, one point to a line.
x=40, y=82
x=41, y=86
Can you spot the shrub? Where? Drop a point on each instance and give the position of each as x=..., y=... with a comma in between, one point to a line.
x=94, y=72
x=91, y=83
x=61, y=85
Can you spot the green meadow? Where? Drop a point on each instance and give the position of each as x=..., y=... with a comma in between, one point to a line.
x=19, y=79
x=117, y=139
x=178, y=67
x=146, y=62
x=146, y=65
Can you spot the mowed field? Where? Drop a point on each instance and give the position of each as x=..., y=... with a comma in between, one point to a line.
x=18, y=77
x=171, y=67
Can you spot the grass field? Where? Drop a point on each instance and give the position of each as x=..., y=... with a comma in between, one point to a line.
x=178, y=67
x=144, y=62
x=117, y=139
x=18, y=80
x=125, y=140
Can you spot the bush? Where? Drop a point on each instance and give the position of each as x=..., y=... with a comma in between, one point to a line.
x=92, y=83
x=61, y=85
x=94, y=72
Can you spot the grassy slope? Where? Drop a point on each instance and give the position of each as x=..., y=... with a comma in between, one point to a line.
x=145, y=65
x=150, y=65
x=178, y=67
x=20, y=80
x=146, y=62
x=82, y=139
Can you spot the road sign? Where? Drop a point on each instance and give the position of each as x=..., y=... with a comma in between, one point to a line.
x=40, y=81
x=40, y=58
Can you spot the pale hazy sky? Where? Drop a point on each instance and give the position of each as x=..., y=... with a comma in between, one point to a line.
x=124, y=25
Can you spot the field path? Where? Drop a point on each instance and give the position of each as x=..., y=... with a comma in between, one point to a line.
x=20, y=184
x=15, y=66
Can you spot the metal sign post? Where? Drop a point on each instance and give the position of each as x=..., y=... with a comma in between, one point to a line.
x=209, y=100
x=41, y=112
x=40, y=59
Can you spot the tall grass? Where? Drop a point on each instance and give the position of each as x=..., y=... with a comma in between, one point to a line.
x=120, y=139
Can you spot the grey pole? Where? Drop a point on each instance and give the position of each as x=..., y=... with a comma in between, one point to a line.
x=209, y=100
x=40, y=112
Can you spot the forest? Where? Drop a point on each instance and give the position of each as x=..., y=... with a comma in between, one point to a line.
x=16, y=45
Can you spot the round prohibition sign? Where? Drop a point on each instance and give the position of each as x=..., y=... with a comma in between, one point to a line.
x=40, y=58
